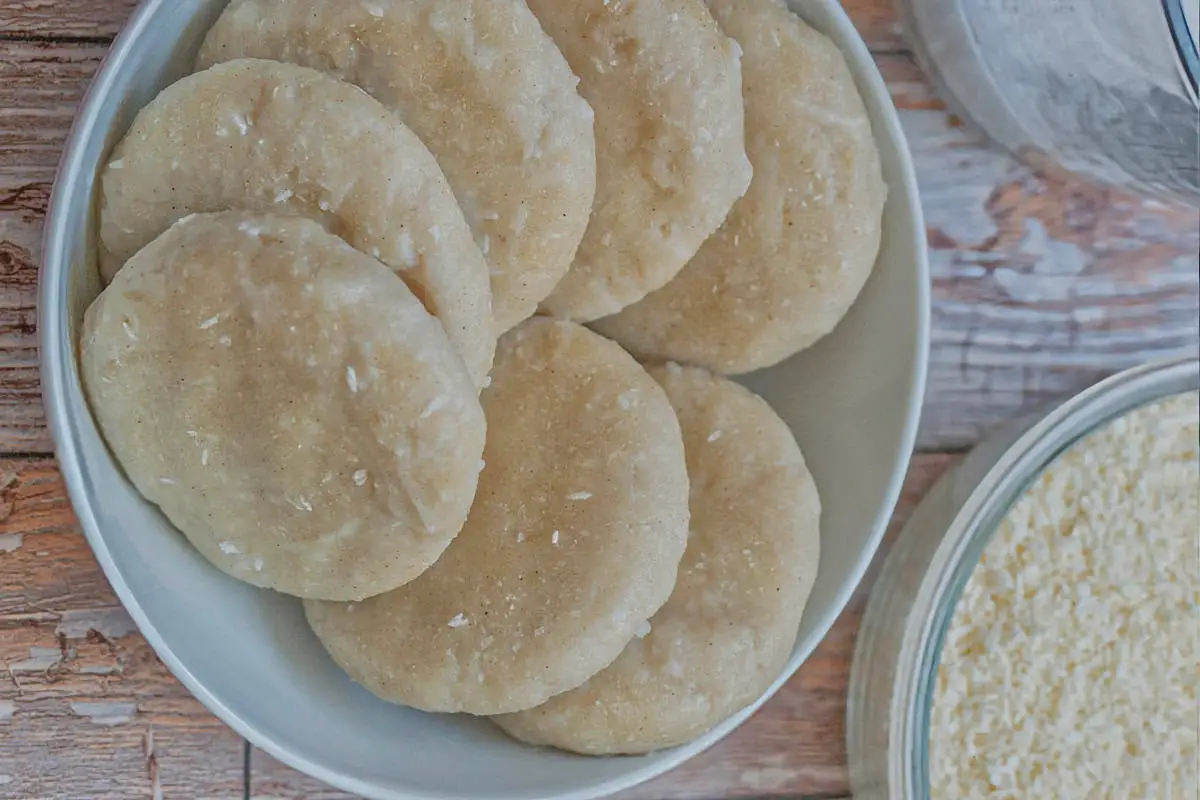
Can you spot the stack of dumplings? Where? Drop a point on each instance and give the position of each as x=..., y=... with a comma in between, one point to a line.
x=349, y=263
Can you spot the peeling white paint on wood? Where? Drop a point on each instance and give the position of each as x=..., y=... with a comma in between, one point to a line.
x=112, y=622
x=957, y=173
x=767, y=779
x=14, y=229
x=102, y=669
x=106, y=713
x=1042, y=285
x=40, y=659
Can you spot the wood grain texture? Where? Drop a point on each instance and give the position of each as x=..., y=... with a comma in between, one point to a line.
x=40, y=86
x=64, y=19
x=1042, y=285
x=86, y=708
x=100, y=19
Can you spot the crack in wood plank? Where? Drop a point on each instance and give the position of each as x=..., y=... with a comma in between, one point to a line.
x=79, y=686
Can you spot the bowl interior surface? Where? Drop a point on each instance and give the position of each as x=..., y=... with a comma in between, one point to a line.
x=853, y=402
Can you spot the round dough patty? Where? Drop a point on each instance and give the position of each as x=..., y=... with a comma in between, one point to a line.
x=280, y=138
x=572, y=544
x=666, y=86
x=484, y=88
x=730, y=625
x=287, y=402
x=798, y=248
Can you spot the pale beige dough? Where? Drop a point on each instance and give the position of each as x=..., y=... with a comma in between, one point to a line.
x=796, y=251
x=730, y=625
x=484, y=88
x=666, y=86
x=287, y=402
x=276, y=137
x=573, y=542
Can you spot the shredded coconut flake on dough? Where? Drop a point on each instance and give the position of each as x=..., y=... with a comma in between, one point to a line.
x=435, y=405
x=408, y=253
x=1070, y=667
x=300, y=503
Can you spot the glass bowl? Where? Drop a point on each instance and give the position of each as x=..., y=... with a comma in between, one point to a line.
x=899, y=646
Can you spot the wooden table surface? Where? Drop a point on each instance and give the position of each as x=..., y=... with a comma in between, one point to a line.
x=1041, y=286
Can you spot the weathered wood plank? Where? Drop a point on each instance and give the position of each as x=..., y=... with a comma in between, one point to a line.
x=58, y=19
x=793, y=747
x=40, y=86
x=92, y=19
x=1042, y=285
x=878, y=24
x=86, y=708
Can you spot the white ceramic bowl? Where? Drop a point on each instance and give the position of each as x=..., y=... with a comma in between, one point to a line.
x=853, y=401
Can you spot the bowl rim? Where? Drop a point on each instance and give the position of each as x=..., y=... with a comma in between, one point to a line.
x=56, y=353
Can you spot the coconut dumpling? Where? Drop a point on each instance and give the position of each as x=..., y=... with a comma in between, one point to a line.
x=572, y=544
x=287, y=402
x=278, y=138
x=484, y=87
x=797, y=250
x=666, y=86
x=731, y=623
